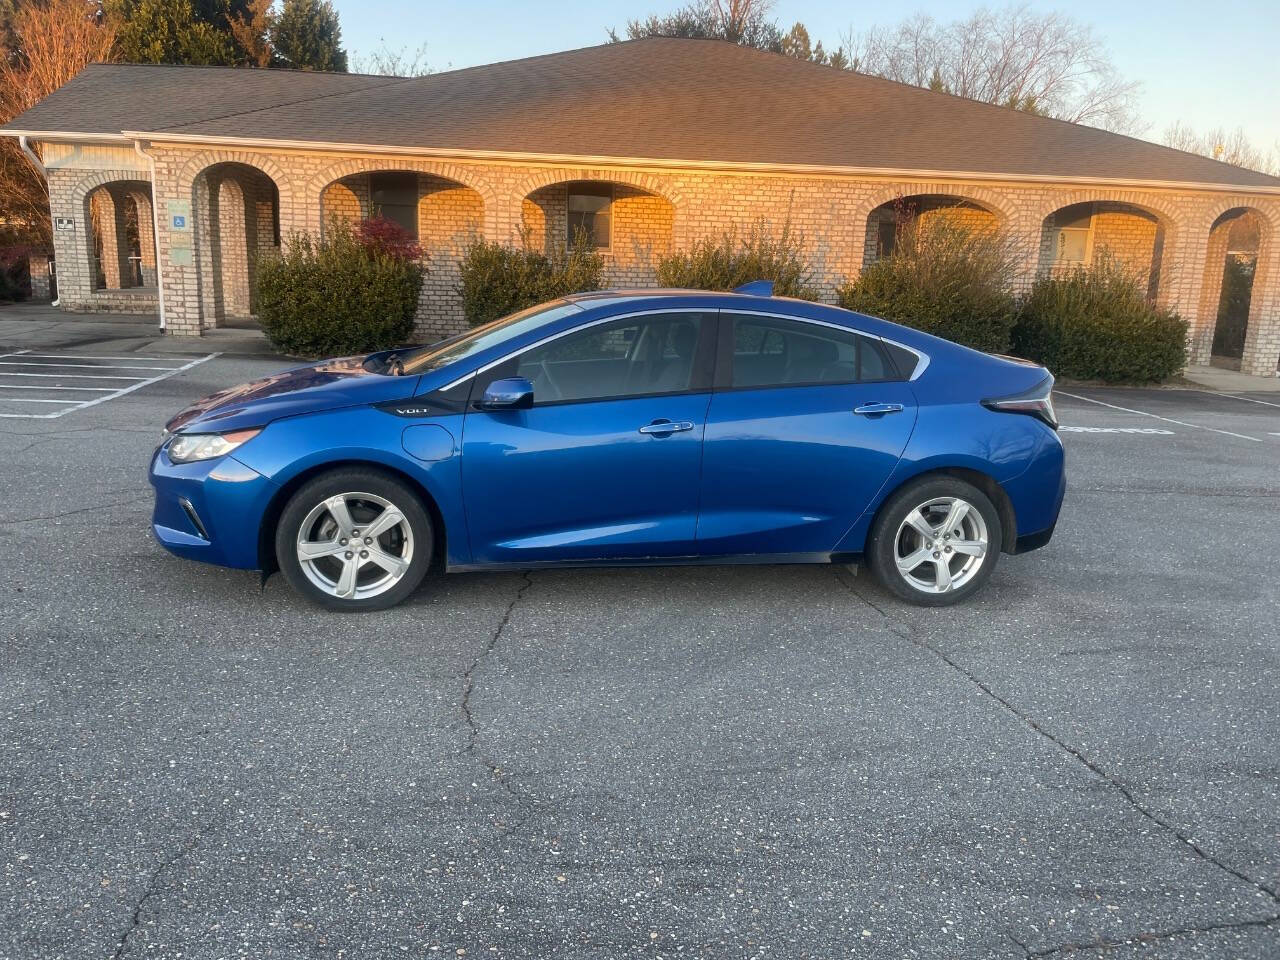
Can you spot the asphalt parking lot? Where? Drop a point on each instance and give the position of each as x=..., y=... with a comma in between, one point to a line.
x=699, y=762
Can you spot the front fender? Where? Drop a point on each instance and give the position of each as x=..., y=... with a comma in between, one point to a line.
x=288, y=449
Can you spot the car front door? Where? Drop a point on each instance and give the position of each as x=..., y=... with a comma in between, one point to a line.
x=605, y=463
x=807, y=422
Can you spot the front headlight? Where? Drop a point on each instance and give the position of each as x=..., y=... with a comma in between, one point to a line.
x=189, y=447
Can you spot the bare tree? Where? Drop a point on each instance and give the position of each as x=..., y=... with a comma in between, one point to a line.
x=1233, y=147
x=52, y=41
x=1044, y=63
x=744, y=22
x=387, y=62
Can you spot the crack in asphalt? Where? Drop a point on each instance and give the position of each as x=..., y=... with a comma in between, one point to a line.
x=906, y=633
x=524, y=799
x=135, y=921
x=1145, y=938
x=71, y=513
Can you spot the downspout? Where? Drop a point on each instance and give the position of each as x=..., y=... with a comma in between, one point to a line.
x=39, y=165
x=155, y=227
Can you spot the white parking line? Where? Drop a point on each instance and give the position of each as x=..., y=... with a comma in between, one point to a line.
x=68, y=403
x=90, y=356
x=1214, y=393
x=1142, y=430
x=82, y=366
x=1156, y=416
x=27, y=386
x=73, y=376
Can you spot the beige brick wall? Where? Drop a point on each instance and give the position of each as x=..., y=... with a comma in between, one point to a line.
x=830, y=213
x=924, y=208
x=641, y=230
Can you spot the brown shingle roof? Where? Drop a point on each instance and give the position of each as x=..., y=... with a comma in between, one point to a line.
x=660, y=99
x=106, y=98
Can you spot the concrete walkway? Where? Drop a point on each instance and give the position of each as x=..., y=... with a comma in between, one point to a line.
x=1230, y=381
x=42, y=326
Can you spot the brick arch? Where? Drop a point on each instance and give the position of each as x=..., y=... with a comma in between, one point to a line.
x=1262, y=333
x=82, y=198
x=649, y=183
x=1169, y=216
x=990, y=200
x=1269, y=215
x=462, y=176
x=201, y=163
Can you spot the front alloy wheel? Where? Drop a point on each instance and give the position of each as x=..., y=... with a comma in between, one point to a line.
x=936, y=541
x=354, y=539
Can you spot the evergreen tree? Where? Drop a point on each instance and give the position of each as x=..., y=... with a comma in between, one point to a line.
x=167, y=31
x=306, y=36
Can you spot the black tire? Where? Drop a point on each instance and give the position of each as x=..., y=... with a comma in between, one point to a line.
x=889, y=539
x=351, y=482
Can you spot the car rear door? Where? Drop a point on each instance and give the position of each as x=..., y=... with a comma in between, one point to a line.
x=805, y=425
x=605, y=464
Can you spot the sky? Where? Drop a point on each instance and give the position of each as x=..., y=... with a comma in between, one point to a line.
x=1206, y=64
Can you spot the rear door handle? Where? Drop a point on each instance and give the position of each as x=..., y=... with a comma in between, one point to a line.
x=663, y=427
x=875, y=409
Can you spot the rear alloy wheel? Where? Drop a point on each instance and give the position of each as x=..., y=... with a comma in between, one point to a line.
x=354, y=540
x=936, y=541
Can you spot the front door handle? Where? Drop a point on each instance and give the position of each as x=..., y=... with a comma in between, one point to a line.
x=876, y=409
x=664, y=427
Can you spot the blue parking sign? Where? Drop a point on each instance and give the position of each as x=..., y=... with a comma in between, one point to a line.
x=179, y=223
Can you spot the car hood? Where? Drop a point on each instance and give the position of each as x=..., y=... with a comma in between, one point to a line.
x=328, y=385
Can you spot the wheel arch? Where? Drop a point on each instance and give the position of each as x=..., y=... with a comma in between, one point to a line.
x=983, y=481
x=267, y=560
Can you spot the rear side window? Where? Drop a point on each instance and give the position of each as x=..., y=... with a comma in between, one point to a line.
x=773, y=352
x=904, y=361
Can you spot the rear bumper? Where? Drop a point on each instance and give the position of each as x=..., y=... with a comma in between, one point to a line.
x=1037, y=495
x=209, y=511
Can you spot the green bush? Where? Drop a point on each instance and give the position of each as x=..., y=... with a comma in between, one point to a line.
x=1096, y=323
x=334, y=295
x=498, y=279
x=728, y=262
x=945, y=279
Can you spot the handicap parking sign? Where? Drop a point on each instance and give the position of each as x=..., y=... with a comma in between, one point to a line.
x=179, y=223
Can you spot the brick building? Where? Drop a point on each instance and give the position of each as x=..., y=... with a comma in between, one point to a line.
x=167, y=183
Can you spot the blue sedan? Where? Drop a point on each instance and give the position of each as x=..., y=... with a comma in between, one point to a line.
x=648, y=427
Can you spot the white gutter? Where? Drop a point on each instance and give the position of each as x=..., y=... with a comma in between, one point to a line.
x=155, y=227
x=31, y=155
x=717, y=166
x=720, y=166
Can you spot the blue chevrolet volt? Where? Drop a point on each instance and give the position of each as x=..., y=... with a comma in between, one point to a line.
x=623, y=427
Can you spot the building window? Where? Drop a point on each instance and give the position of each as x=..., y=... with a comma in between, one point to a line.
x=394, y=197
x=591, y=213
x=1073, y=242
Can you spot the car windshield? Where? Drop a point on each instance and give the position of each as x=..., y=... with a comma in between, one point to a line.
x=437, y=355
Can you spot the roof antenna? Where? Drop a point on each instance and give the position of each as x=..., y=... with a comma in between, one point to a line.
x=756, y=288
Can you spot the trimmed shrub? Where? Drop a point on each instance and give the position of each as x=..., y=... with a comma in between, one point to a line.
x=945, y=279
x=1096, y=323
x=497, y=279
x=728, y=262
x=337, y=295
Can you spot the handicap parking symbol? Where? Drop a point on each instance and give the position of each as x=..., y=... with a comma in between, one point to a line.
x=179, y=223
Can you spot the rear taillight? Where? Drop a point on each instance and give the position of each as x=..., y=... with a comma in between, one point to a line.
x=1038, y=401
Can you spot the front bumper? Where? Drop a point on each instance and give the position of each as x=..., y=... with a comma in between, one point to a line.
x=210, y=510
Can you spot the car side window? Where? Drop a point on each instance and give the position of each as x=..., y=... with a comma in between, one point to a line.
x=632, y=357
x=774, y=352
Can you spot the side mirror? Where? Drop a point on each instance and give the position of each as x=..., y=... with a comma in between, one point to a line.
x=514, y=393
